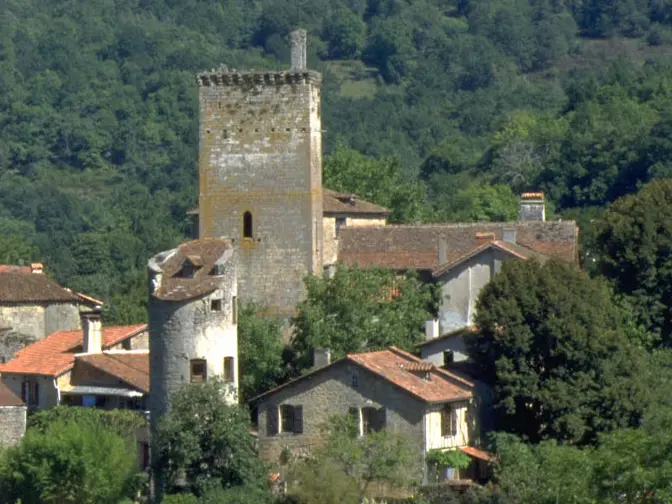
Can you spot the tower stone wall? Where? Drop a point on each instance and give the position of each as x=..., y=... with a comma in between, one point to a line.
x=193, y=333
x=260, y=176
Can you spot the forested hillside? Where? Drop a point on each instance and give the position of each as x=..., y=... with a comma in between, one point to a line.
x=472, y=100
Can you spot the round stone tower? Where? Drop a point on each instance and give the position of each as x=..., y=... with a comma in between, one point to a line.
x=193, y=333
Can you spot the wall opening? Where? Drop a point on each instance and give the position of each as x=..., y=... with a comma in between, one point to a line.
x=216, y=305
x=234, y=310
x=247, y=225
x=229, y=374
x=198, y=370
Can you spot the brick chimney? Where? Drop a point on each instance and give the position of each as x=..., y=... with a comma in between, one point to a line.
x=532, y=207
x=36, y=268
x=482, y=238
x=92, y=331
x=299, y=50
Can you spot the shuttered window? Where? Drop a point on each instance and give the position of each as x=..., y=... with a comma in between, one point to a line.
x=373, y=420
x=272, y=424
x=198, y=370
x=229, y=372
x=286, y=418
x=448, y=421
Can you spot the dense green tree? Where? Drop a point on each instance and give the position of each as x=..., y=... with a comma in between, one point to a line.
x=207, y=441
x=121, y=422
x=261, y=348
x=360, y=309
x=350, y=467
x=552, y=345
x=69, y=461
x=632, y=247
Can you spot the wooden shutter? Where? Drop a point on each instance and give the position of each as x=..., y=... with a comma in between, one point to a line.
x=298, y=419
x=453, y=421
x=25, y=392
x=36, y=395
x=271, y=420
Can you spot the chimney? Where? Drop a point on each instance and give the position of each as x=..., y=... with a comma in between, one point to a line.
x=532, y=207
x=431, y=329
x=36, y=268
x=299, y=52
x=321, y=357
x=92, y=331
x=482, y=238
x=442, y=251
x=509, y=235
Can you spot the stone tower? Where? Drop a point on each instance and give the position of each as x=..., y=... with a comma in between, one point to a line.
x=260, y=175
x=193, y=332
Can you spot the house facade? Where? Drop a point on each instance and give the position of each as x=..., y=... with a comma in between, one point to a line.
x=34, y=306
x=432, y=408
x=41, y=373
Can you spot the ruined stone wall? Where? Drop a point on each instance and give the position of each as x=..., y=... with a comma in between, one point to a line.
x=260, y=152
x=12, y=425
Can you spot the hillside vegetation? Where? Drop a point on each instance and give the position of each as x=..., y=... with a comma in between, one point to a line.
x=472, y=100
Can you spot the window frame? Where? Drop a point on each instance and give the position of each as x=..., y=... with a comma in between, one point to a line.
x=216, y=305
x=229, y=370
x=248, y=225
x=448, y=420
x=193, y=377
x=286, y=412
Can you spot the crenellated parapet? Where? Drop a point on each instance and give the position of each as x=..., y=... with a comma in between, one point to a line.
x=257, y=78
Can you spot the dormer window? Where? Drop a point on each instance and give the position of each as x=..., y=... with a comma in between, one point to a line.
x=217, y=270
x=190, y=266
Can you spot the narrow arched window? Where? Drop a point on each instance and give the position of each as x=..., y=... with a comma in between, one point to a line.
x=247, y=225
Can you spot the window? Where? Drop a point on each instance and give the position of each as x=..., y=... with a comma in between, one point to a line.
x=216, y=305
x=126, y=344
x=448, y=358
x=448, y=421
x=247, y=225
x=30, y=393
x=198, y=370
x=340, y=222
x=355, y=380
x=286, y=418
x=143, y=448
x=229, y=373
x=234, y=310
x=373, y=420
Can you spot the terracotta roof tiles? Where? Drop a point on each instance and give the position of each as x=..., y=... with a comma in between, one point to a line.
x=417, y=246
x=19, y=286
x=55, y=354
x=129, y=367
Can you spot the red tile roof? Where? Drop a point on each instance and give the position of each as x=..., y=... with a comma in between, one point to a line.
x=17, y=286
x=417, y=246
x=129, y=367
x=510, y=248
x=400, y=369
x=8, y=398
x=55, y=354
x=474, y=452
x=7, y=268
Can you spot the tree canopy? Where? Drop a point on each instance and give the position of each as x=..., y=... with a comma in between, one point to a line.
x=552, y=345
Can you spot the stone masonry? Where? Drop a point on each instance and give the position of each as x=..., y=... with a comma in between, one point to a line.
x=12, y=425
x=260, y=176
x=329, y=392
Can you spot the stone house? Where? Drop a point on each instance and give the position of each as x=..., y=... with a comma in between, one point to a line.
x=12, y=417
x=41, y=373
x=34, y=306
x=433, y=408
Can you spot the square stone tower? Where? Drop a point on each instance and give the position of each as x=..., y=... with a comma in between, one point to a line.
x=260, y=175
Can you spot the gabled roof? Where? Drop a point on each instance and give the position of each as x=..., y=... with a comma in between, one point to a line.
x=8, y=398
x=513, y=249
x=338, y=203
x=55, y=354
x=203, y=253
x=20, y=286
x=129, y=367
x=402, y=247
x=349, y=204
x=405, y=371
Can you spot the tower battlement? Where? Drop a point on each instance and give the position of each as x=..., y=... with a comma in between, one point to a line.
x=255, y=78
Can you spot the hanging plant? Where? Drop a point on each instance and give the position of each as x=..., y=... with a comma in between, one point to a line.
x=448, y=458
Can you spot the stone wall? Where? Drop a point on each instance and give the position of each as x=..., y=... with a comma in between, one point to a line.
x=260, y=152
x=330, y=392
x=39, y=320
x=12, y=425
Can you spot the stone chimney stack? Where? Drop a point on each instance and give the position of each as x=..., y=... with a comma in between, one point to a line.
x=321, y=357
x=509, y=234
x=432, y=329
x=299, y=50
x=36, y=268
x=92, y=330
x=532, y=207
